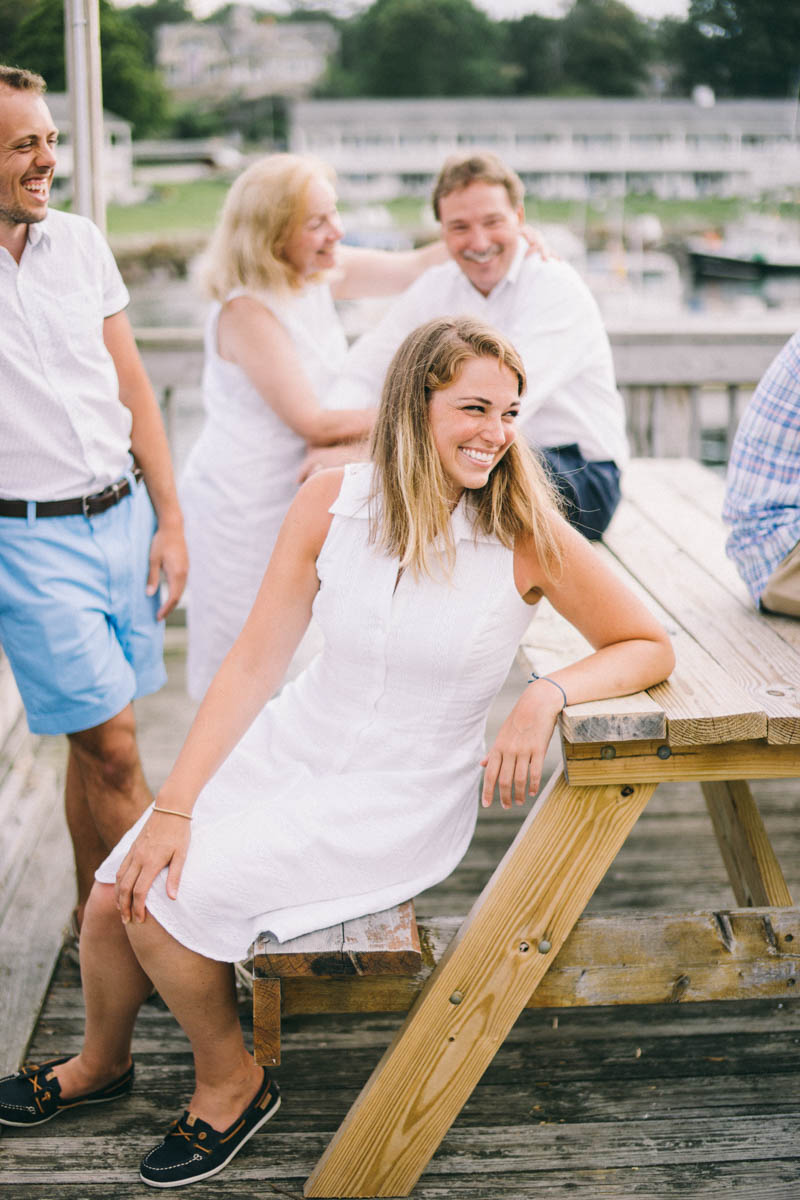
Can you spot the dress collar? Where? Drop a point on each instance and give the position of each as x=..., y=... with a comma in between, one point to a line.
x=353, y=501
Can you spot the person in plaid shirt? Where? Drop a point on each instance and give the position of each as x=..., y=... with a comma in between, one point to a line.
x=762, y=500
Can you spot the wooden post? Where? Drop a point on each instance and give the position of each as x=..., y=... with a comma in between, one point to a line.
x=267, y=1022
x=753, y=868
x=482, y=983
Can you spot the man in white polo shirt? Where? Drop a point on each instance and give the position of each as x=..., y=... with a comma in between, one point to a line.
x=82, y=541
x=572, y=412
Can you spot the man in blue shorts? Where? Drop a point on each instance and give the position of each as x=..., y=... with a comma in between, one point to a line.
x=89, y=517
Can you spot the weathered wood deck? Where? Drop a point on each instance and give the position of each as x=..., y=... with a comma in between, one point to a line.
x=613, y=1103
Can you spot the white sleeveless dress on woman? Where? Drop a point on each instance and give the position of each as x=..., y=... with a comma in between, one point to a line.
x=241, y=477
x=357, y=786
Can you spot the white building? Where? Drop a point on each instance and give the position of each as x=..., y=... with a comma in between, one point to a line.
x=571, y=148
x=250, y=54
x=117, y=151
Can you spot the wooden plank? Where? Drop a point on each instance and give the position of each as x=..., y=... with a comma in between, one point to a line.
x=29, y=793
x=753, y=869
x=746, y=646
x=267, y=1022
x=503, y=950
x=551, y=642
x=609, y=959
x=378, y=944
x=493, y=1156
x=31, y=934
x=640, y=762
x=674, y=421
x=685, y=500
x=702, y=704
x=10, y=699
x=699, y=704
x=664, y=497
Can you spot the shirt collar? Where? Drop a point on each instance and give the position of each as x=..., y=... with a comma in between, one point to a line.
x=39, y=232
x=353, y=501
x=511, y=276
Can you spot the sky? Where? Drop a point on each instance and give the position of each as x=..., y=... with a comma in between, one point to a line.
x=495, y=8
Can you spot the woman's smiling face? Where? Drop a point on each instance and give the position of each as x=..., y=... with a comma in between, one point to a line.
x=312, y=245
x=472, y=421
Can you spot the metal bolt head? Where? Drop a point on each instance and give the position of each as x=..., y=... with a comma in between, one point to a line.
x=608, y=752
x=664, y=752
x=524, y=947
x=544, y=946
x=456, y=997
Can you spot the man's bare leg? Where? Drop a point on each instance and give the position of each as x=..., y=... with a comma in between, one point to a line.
x=105, y=793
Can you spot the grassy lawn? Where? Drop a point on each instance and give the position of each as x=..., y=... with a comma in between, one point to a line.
x=173, y=208
x=191, y=207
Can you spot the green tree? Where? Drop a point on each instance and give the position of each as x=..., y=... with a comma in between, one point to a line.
x=421, y=48
x=131, y=88
x=534, y=46
x=148, y=17
x=738, y=47
x=11, y=13
x=606, y=48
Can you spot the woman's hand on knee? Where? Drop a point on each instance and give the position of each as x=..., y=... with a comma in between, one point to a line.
x=163, y=841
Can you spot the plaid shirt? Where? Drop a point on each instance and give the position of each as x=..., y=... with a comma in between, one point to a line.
x=762, y=501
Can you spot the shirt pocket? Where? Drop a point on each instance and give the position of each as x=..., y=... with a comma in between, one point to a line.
x=74, y=333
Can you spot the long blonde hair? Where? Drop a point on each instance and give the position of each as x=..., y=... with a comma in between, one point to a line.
x=263, y=208
x=410, y=509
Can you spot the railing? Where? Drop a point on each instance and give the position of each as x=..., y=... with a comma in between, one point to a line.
x=685, y=381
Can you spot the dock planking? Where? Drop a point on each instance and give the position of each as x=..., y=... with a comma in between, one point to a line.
x=661, y=1101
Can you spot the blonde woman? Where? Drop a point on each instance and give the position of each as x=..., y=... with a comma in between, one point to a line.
x=273, y=345
x=356, y=787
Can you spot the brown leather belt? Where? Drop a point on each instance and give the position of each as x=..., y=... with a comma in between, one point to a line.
x=86, y=506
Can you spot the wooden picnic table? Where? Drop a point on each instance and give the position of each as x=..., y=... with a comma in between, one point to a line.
x=730, y=712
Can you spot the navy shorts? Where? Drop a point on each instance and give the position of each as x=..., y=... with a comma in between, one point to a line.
x=589, y=489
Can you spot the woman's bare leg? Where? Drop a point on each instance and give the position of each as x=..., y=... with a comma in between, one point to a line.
x=201, y=994
x=114, y=987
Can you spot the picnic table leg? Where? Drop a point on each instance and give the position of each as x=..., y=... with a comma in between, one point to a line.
x=753, y=868
x=267, y=1022
x=477, y=991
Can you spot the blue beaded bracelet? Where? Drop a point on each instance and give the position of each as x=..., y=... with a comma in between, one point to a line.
x=547, y=679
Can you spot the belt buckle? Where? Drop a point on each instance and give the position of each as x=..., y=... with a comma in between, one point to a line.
x=109, y=496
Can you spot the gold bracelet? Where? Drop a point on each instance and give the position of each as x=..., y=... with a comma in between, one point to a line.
x=173, y=812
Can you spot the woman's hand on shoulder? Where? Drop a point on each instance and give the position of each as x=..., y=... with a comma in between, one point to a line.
x=163, y=841
x=514, y=763
x=538, y=244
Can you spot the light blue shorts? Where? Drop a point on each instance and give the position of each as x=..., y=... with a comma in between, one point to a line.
x=79, y=631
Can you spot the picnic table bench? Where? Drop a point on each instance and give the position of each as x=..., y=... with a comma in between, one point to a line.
x=730, y=712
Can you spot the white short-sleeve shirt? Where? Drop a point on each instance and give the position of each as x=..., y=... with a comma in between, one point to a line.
x=63, y=430
x=546, y=310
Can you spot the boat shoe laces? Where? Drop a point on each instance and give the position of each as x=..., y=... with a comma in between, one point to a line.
x=194, y=1150
x=33, y=1095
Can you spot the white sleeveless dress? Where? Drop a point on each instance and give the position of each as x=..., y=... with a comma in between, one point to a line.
x=241, y=477
x=357, y=786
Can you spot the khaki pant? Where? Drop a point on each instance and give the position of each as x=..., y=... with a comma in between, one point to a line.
x=782, y=593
